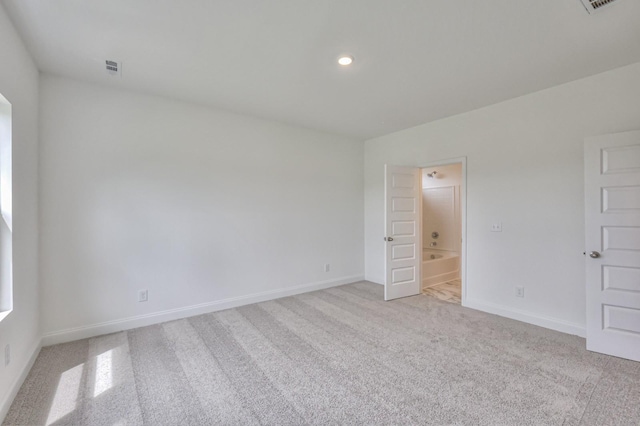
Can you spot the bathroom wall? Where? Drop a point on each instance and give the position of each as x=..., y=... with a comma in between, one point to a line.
x=441, y=207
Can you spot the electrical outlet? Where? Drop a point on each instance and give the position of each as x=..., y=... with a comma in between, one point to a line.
x=7, y=355
x=496, y=227
x=327, y=267
x=143, y=295
x=519, y=291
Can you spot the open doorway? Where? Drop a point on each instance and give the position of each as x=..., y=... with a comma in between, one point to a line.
x=411, y=244
x=441, y=223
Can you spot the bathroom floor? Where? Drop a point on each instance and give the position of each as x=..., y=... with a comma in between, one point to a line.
x=450, y=291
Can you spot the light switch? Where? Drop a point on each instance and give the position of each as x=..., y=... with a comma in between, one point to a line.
x=496, y=227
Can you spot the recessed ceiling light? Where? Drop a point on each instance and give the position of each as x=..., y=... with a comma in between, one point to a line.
x=345, y=60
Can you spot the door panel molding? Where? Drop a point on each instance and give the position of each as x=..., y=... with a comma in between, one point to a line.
x=612, y=226
x=403, y=214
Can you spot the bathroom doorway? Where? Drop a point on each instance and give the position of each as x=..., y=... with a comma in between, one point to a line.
x=443, y=246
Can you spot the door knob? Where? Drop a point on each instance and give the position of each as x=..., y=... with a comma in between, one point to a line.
x=594, y=254
x=388, y=238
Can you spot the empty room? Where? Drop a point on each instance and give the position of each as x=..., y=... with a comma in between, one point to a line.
x=365, y=212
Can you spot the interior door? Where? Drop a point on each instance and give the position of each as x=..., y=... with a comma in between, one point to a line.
x=612, y=213
x=403, y=252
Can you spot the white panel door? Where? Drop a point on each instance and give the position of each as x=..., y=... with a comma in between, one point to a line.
x=403, y=253
x=612, y=203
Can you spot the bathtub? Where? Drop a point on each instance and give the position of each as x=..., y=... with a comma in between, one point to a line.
x=439, y=266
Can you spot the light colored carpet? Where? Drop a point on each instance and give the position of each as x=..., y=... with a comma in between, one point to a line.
x=337, y=356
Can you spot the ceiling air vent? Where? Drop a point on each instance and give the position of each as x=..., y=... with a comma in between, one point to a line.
x=593, y=5
x=114, y=68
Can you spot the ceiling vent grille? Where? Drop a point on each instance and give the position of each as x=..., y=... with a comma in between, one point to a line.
x=593, y=5
x=114, y=68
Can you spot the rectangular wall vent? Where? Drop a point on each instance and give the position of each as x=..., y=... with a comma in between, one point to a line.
x=114, y=68
x=593, y=5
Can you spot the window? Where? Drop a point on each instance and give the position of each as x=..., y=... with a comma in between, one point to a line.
x=6, y=200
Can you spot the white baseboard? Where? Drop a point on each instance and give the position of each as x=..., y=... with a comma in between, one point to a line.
x=516, y=314
x=375, y=280
x=77, y=333
x=17, y=384
x=528, y=317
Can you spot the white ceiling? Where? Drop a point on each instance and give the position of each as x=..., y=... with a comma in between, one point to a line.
x=415, y=60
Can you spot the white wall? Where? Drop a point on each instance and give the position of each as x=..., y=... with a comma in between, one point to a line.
x=20, y=329
x=525, y=169
x=196, y=205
